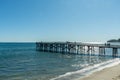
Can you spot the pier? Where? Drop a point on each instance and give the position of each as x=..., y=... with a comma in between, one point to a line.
x=76, y=48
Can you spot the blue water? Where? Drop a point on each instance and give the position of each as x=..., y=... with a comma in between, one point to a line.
x=21, y=61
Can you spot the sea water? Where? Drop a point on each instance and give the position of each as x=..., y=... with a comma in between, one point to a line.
x=21, y=61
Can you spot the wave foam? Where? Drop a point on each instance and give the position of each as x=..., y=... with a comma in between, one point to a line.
x=75, y=75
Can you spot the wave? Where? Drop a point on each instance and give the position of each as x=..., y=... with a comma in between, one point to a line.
x=75, y=75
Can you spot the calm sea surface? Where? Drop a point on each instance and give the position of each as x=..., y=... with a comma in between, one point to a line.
x=21, y=61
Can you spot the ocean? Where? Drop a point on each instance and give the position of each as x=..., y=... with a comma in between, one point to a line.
x=21, y=61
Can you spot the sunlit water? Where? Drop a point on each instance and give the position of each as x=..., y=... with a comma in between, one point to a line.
x=21, y=61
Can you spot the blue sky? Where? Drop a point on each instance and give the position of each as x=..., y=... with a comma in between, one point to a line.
x=59, y=20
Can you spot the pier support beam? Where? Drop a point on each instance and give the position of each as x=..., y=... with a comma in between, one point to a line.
x=115, y=52
x=78, y=49
x=40, y=46
x=101, y=51
x=90, y=50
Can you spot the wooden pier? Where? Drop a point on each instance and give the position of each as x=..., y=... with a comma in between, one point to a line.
x=76, y=48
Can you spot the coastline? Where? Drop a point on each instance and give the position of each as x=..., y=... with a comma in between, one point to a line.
x=111, y=73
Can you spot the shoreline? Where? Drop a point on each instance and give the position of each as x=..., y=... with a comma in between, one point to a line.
x=111, y=73
x=86, y=73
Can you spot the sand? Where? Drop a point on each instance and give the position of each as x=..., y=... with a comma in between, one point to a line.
x=112, y=73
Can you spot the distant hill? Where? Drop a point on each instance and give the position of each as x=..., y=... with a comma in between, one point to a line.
x=114, y=40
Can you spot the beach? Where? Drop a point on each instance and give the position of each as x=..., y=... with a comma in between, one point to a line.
x=112, y=73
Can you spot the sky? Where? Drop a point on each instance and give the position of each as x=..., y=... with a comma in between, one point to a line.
x=59, y=20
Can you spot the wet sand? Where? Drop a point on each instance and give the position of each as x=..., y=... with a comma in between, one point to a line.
x=112, y=73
